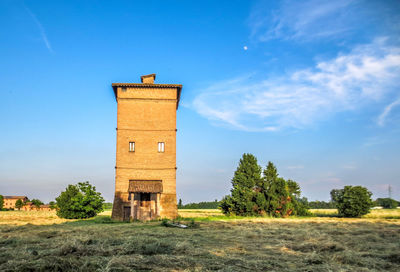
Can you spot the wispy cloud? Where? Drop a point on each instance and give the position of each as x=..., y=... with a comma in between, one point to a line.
x=386, y=111
x=295, y=167
x=41, y=29
x=365, y=75
x=301, y=19
x=373, y=141
x=349, y=166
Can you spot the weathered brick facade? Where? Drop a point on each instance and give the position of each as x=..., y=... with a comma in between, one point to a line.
x=145, y=178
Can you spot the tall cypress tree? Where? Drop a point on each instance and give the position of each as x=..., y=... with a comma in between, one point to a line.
x=269, y=188
x=243, y=194
x=278, y=193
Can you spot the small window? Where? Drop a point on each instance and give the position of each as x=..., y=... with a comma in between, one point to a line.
x=144, y=197
x=123, y=89
x=161, y=147
x=131, y=146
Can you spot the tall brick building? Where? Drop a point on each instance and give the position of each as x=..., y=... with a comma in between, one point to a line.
x=145, y=172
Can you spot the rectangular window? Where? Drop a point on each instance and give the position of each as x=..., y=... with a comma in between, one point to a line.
x=161, y=147
x=131, y=146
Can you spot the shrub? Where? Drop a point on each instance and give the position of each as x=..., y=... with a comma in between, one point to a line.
x=1, y=202
x=352, y=201
x=79, y=201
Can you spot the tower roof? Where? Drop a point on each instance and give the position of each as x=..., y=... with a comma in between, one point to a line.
x=148, y=83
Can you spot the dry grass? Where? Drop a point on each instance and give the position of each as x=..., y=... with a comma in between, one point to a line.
x=30, y=217
x=196, y=213
x=255, y=244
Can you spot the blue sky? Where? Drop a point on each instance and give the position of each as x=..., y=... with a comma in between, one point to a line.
x=312, y=86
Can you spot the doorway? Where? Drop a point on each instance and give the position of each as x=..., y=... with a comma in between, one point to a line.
x=145, y=206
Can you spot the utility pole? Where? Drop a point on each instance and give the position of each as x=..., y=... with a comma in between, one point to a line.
x=390, y=191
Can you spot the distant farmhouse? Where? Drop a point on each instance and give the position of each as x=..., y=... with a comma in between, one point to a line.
x=145, y=171
x=29, y=206
x=9, y=203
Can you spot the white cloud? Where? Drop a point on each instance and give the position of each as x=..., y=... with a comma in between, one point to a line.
x=41, y=28
x=365, y=75
x=302, y=19
x=386, y=111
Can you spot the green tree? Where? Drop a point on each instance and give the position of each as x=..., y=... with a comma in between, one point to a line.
x=52, y=205
x=18, y=204
x=255, y=195
x=242, y=198
x=1, y=202
x=282, y=196
x=180, y=205
x=37, y=202
x=294, y=188
x=270, y=189
x=352, y=201
x=79, y=201
x=301, y=206
x=387, y=203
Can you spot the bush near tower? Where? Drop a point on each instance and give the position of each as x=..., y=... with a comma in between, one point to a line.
x=352, y=201
x=79, y=201
x=254, y=194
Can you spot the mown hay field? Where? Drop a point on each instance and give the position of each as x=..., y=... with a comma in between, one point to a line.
x=39, y=241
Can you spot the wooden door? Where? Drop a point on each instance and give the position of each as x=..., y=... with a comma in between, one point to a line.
x=127, y=213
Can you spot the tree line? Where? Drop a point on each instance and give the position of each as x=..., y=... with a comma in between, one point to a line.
x=201, y=205
x=385, y=203
x=259, y=192
x=255, y=192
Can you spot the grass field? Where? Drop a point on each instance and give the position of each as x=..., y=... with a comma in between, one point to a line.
x=39, y=241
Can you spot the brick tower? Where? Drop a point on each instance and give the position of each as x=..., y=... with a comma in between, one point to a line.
x=145, y=171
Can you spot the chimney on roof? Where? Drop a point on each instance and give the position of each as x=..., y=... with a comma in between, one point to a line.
x=149, y=79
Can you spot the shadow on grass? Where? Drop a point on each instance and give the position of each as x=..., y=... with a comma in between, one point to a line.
x=106, y=220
